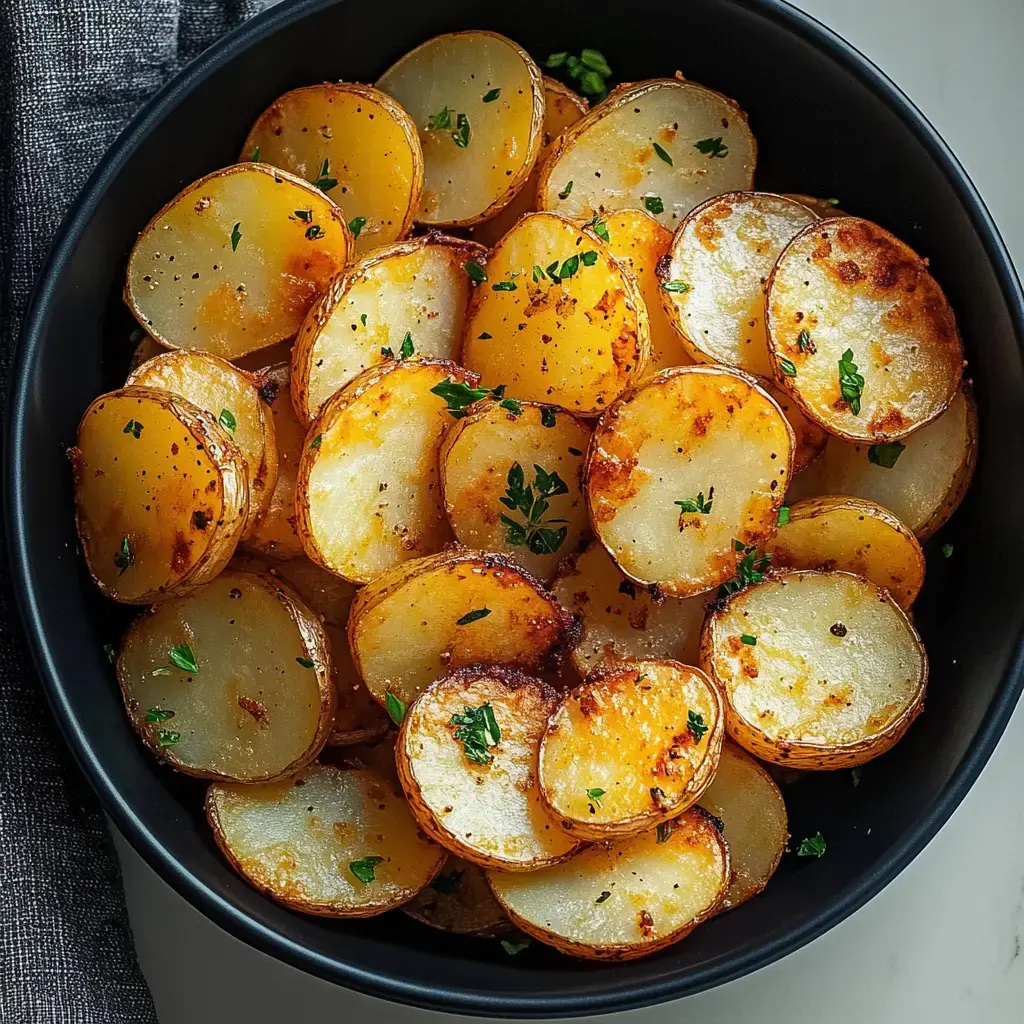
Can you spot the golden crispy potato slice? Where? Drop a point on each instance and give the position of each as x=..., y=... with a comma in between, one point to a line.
x=460, y=901
x=712, y=284
x=145, y=348
x=467, y=760
x=692, y=462
x=822, y=207
x=161, y=494
x=818, y=669
x=852, y=535
x=860, y=333
x=408, y=300
x=451, y=610
x=477, y=99
x=663, y=145
x=622, y=619
x=562, y=107
x=755, y=825
x=810, y=437
x=631, y=748
x=512, y=475
x=355, y=144
x=233, y=262
x=922, y=479
x=369, y=494
x=232, y=682
x=623, y=899
x=558, y=319
x=326, y=841
x=232, y=399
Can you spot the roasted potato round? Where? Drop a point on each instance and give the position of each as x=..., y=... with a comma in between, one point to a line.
x=557, y=319
x=355, y=144
x=326, y=841
x=689, y=464
x=358, y=718
x=454, y=609
x=712, y=283
x=860, y=333
x=467, y=760
x=161, y=494
x=631, y=748
x=234, y=261
x=232, y=682
x=810, y=437
x=478, y=101
x=818, y=669
x=663, y=145
x=460, y=901
x=512, y=475
x=624, y=899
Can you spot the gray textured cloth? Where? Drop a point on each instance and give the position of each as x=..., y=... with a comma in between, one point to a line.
x=72, y=72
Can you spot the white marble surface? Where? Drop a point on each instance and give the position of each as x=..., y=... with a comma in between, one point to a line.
x=942, y=943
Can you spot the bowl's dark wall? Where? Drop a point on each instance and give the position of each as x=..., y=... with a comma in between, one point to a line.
x=822, y=128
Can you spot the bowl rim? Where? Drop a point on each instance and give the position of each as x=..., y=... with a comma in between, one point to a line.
x=441, y=996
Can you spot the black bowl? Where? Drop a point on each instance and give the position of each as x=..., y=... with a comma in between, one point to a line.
x=828, y=123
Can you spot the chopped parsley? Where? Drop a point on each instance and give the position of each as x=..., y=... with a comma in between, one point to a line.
x=306, y=216
x=504, y=286
x=536, y=533
x=236, y=235
x=512, y=406
x=227, y=420
x=589, y=258
x=355, y=225
x=600, y=228
x=514, y=946
x=712, y=148
x=323, y=180
x=167, y=738
x=395, y=707
x=662, y=154
x=441, y=121
x=695, y=723
x=473, y=616
x=108, y=650
x=461, y=133
x=947, y=550
x=459, y=395
x=158, y=715
x=364, y=869
x=851, y=383
x=305, y=662
x=750, y=569
x=477, y=274
x=604, y=895
x=315, y=443
x=885, y=455
x=590, y=69
x=804, y=343
x=594, y=796
x=547, y=417
x=750, y=641
x=783, y=516
x=491, y=96
x=569, y=267
x=477, y=732
x=255, y=158
x=697, y=504
x=564, y=194
x=362, y=319
x=484, y=336
x=664, y=830
x=675, y=287
x=812, y=847
x=314, y=231
x=200, y=519
x=653, y=204
x=408, y=348
x=133, y=427
x=124, y=559
x=787, y=367
x=181, y=656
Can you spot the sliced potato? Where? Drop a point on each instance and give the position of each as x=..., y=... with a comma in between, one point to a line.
x=378, y=756
x=234, y=261
x=622, y=619
x=926, y=483
x=460, y=901
x=161, y=494
x=810, y=437
x=753, y=814
x=326, y=841
x=835, y=674
x=358, y=718
x=145, y=348
x=675, y=438
x=231, y=398
x=417, y=289
x=705, y=144
x=353, y=142
x=490, y=458
x=467, y=760
x=631, y=748
x=852, y=535
x=368, y=493
x=576, y=339
x=625, y=899
x=712, y=284
x=424, y=602
x=477, y=99
x=848, y=286
x=232, y=682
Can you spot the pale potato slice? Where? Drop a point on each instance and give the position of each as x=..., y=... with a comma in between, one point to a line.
x=232, y=399
x=860, y=333
x=923, y=486
x=146, y=347
x=639, y=242
x=622, y=619
x=562, y=107
x=818, y=669
x=810, y=437
x=631, y=748
x=233, y=262
x=527, y=456
x=477, y=99
x=673, y=439
x=575, y=337
x=712, y=284
x=369, y=491
x=416, y=290
x=624, y=899
x=610, y=155
x=755, y=825
x=326, y=841
x=161, y=494
x=460, y=901
x=467, y=760
x=232, y=682
x=355, y=144
x=435, y=606
x=852, y=535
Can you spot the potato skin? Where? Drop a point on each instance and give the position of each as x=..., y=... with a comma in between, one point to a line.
x=471, y=910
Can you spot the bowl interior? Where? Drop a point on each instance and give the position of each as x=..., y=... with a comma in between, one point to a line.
x=826, y=126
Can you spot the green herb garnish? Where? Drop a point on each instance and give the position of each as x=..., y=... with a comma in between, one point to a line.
x=662, y=154
x=664, y=830
x=158, y=715
x=594, y=796
x=504, y=286
x=356, y=225
x=787, y=367
x=395, y=707
x=459, y=396
x=653, y=204
x=362, y=319
x=181, y=656
x=314, y=231
x=255, y=158
x=804, y=343
x=783, y=516
x=473, y=616
x=750, y=641
x=600, y=228
x=513, y=946
x=947, y=550
x=315, y=443
x=323, y=180
x=407, y=348
x=851, y=383
x=365, y=868
x=536, y=533
x=750, y=569
x=512, y=406
x=108, y=650
x=712, y=148
x=484, y=336
x=564, y=194
x=125, y=557
x=477, y=274
x=547, y=417
x=885, y=455
x=461, y=133
x=236, y=235
x=227, y=420
x=440, y=121
x=133, y=427
x=306, y=216
x=491, y=96
x=697, y=504
x=477, y=732
x=812, y=847
x=675, y=287
x=167, y=738
x=305, y=662
x=604, y=895
x=695, y=723
x=590, y=69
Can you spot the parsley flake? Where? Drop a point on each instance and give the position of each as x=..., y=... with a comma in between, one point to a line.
x=305, y=662
x=227, y=420
x=167, y=738
x=804, y=343
x=459, y=395
x=750, y=569
x=484, y=336
x=158, y=715
x=851, y=383
x=477, y=274
x=653, y=204
x=536, y=533
x=477, y=732
x=408, y=348
x=604, y=895
x=600, y=228
x=594, y=796
x=885, y=455
x=695, y=723
x=787, y=367
x=675, y=287
x=947, y=550
x=698, y=504
x=812, y=847
x=441, y=121
x=712, y=148
x=564, y=194
x=315, y=443
x=514, y=947
x=255, y=158
x=504, y=286
x=662, y=154
x=569, y=267
x=491, y=96
x=512, y=406
x=236, y=235
x=364, y=869
x=783, y=516
x=306, y=216
x=133, y=427
x=588, y=258
x=323, y=180
x=395, y=707
x=181, y=656
x=461, y=133
x=124, y=559
x=356, y=225
x=473, y=616
x=314, y=231
x=664, y=830
x=362, y=319
x=749, y=640
x=547, y=417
